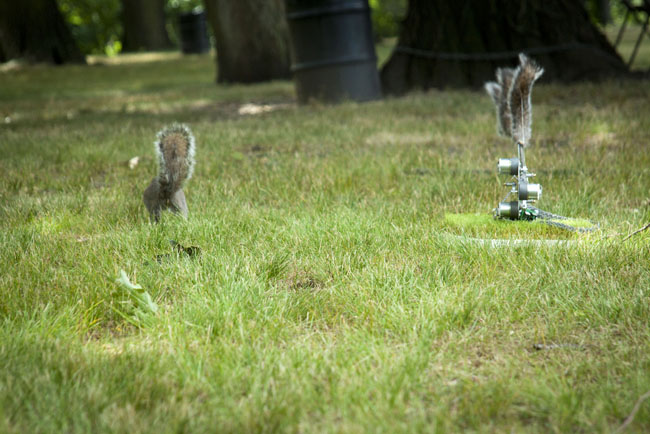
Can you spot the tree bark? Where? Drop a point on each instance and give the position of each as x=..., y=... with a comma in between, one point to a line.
x=461, y=43
x=144, y=25
x=34, y=30
x=252, y=40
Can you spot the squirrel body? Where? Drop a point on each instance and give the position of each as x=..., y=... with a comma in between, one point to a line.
x=175, y=147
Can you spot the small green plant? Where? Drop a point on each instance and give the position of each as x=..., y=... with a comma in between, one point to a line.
x=135, y=305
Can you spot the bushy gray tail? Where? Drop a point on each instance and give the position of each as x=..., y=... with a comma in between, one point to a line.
x=511, y=96
x=175, y=147
x=499, y=92
x=519, y=98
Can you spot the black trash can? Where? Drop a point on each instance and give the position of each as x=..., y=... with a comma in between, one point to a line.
x=193, y=33
x=333, y=50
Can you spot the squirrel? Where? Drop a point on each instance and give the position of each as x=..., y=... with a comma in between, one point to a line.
x=511, y=96
x=499, y=97
x=175, y=148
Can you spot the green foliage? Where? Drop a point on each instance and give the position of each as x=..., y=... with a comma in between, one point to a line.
x=95, y=24
x=180, y=6
x=598, y=10
x=614, y=9
x=173, y=9
x=386, y=16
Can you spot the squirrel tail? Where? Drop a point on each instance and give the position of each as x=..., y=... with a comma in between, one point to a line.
x=498, y=91
x=175, y=147
x=519, y=98
x=495, y=91
x=504, y=78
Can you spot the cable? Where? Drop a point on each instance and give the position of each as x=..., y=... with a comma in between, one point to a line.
x=495, y=55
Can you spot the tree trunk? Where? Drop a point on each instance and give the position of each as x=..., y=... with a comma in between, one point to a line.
x=144, y=25
x=460, y=43
x=35, y=30
x=252, y=40
x=604, y=12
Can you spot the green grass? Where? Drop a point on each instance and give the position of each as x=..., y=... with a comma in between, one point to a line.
x=326, y=296
x=485, y=226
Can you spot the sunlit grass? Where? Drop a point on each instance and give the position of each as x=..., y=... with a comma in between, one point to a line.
x=484, y=225
x=328, y=294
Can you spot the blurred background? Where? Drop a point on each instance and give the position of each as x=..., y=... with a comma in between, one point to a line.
x=419, y=44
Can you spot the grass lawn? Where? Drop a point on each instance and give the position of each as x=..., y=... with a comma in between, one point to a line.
x=328, y=294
